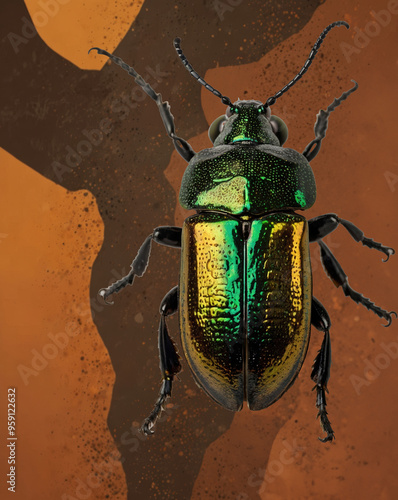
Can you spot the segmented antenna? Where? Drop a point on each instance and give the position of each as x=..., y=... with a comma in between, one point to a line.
x=271, y=100
x=225, y=100
x=130, y=70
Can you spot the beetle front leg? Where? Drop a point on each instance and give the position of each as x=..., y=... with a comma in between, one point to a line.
x=321, y=226
x=321, y=368
x=321, y=124
x=339, y=278
x=165, y=235
x=169, y=359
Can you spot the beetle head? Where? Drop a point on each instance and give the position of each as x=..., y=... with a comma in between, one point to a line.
x=248, y=123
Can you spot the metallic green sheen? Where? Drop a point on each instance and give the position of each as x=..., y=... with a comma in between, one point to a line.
x=254, y=179
x=247, y=124
x=245, y=305
x=210, y=308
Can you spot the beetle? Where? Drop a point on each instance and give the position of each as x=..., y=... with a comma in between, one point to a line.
x=245, y=290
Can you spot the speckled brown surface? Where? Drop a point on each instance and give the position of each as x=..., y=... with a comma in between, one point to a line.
x=54, y=356
x=130, y=180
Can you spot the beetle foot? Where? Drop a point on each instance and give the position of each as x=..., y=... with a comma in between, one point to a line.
x=323, y=414
x=325, y=425
x=146, y=427
x=329, y=437
x=116, y=287
x=369, y=242
x=149, y=423
x=360, y=299
x=388, y=251
x=103, y=293
x=389, y=317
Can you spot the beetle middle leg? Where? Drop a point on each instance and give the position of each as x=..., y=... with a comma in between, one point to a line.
x=169, y=359
x=321, y=226
x=164, y=235
x=339, y=278
x=321, y=368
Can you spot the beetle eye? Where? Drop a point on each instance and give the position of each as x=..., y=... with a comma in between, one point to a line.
x=274, y=126
x=279, y=128
x=216, y=127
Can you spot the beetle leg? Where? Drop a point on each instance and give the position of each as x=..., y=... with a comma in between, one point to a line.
x=182, y=146
x=321, y=368
x=165, y=235
x=321, y=124
x=169, y=359
x=339, y=278
x=323, y=225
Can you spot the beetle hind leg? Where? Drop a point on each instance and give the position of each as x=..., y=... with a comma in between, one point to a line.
x=321, y=368
x=339, y=278
x=169, y=359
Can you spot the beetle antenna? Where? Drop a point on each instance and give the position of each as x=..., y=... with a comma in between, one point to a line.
x=271, y=100
x=226, y=100
x=130, y=70
x=180, y=144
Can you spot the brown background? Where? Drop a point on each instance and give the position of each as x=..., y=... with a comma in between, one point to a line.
x=61, y=240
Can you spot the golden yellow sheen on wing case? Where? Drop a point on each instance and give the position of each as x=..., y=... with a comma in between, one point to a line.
x=211, y=297
x=242, y=303
x=279, y=293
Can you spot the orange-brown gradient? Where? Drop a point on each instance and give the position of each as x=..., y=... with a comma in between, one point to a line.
x=55, y=357
x=49, y=238
x=69, y=27
x=48, y=242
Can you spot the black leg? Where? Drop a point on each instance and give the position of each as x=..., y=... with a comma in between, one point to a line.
x=321, y=368
x=339, y=278
x=164, y=235
x=182, y=146
x=323, y=225
x=169, y=359
x=321, y=124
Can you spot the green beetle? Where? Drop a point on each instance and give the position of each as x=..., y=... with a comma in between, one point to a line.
x=245, y=293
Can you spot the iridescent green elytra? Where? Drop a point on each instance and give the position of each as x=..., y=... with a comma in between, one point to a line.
x=245, y=305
